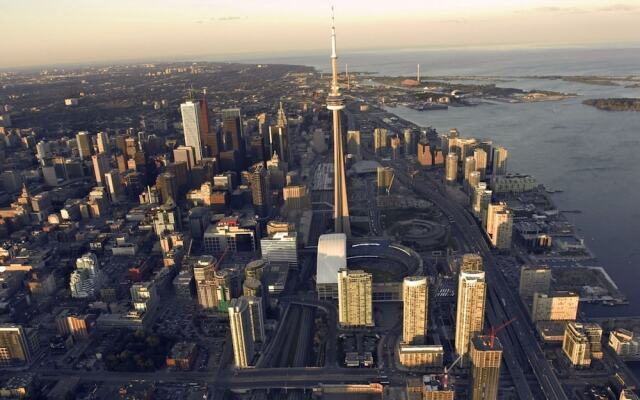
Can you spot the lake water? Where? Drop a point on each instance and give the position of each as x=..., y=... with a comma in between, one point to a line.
x=592, y=155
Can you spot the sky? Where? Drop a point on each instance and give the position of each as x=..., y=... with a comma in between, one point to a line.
x=51, y=32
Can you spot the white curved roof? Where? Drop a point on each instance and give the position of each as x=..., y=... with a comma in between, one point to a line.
x=332, y=255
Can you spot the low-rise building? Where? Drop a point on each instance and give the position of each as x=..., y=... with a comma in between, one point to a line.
x=420, y=356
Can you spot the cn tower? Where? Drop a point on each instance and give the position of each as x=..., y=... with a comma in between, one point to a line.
x=335, y=103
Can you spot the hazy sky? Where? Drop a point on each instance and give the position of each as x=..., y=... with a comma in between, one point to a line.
x=36, y=32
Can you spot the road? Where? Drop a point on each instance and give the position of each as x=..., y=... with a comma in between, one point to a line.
x=265, y=378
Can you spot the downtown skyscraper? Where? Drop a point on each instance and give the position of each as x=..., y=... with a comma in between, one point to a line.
x=192, y=126
x=335, y=103
x=472, y=290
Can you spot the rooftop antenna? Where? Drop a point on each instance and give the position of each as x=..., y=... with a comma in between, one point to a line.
x=190, y=92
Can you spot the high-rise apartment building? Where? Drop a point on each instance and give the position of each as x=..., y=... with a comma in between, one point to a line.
x=241, y=332
x=104, y=145
x=582, y=342
x=256, y=318
x=380, y=140
x=500, y=155
x=425, y=158
x=481, y=160
x=415, y=305
x=191, y=125
x=471, y=262
x=500, y=225
x=472, y=291
x=486, y=356
x=203, y=272
x=86, y=279
x=468, y=167
x=259, y=180
x=534, y=279
x=451, y=168
x=355, y=299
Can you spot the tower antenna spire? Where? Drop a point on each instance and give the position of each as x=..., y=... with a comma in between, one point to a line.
x=335, y=103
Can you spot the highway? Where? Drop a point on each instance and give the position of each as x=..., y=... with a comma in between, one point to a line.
x=265, y=378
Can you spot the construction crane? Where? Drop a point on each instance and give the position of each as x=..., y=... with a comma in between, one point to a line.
x=445, y=376
x=493, y=331
x=219, y=260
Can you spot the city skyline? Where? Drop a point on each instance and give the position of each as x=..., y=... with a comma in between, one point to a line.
x=40, y=34
x=292, y=233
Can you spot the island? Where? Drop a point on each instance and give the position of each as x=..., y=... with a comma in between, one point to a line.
x=614, y=104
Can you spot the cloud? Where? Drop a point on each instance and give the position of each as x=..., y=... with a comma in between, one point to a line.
x=555, y=9
x=620, y=7
x=229, y=18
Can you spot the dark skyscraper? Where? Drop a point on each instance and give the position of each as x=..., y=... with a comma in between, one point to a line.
x=279, y=137
x=232, y=137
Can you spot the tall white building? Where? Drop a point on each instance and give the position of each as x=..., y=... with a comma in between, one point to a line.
x=472, y=291
x=256, y=317
x=414, y=310
x=87, y=278
x=191, y=125
x=241, y=333
x=355, y=298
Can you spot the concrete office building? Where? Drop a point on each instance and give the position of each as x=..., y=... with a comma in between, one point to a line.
x=104, y=145
x=472, y=290
x=281, y=247
x=355, y=300
x=534, y=279
x=191, y=125
x=241, y=332
x=17, y=346
x=185, y=154
x=415, y=306
x=486, y=356
x=85, y=146
x=555, y=306
x=332, y=257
